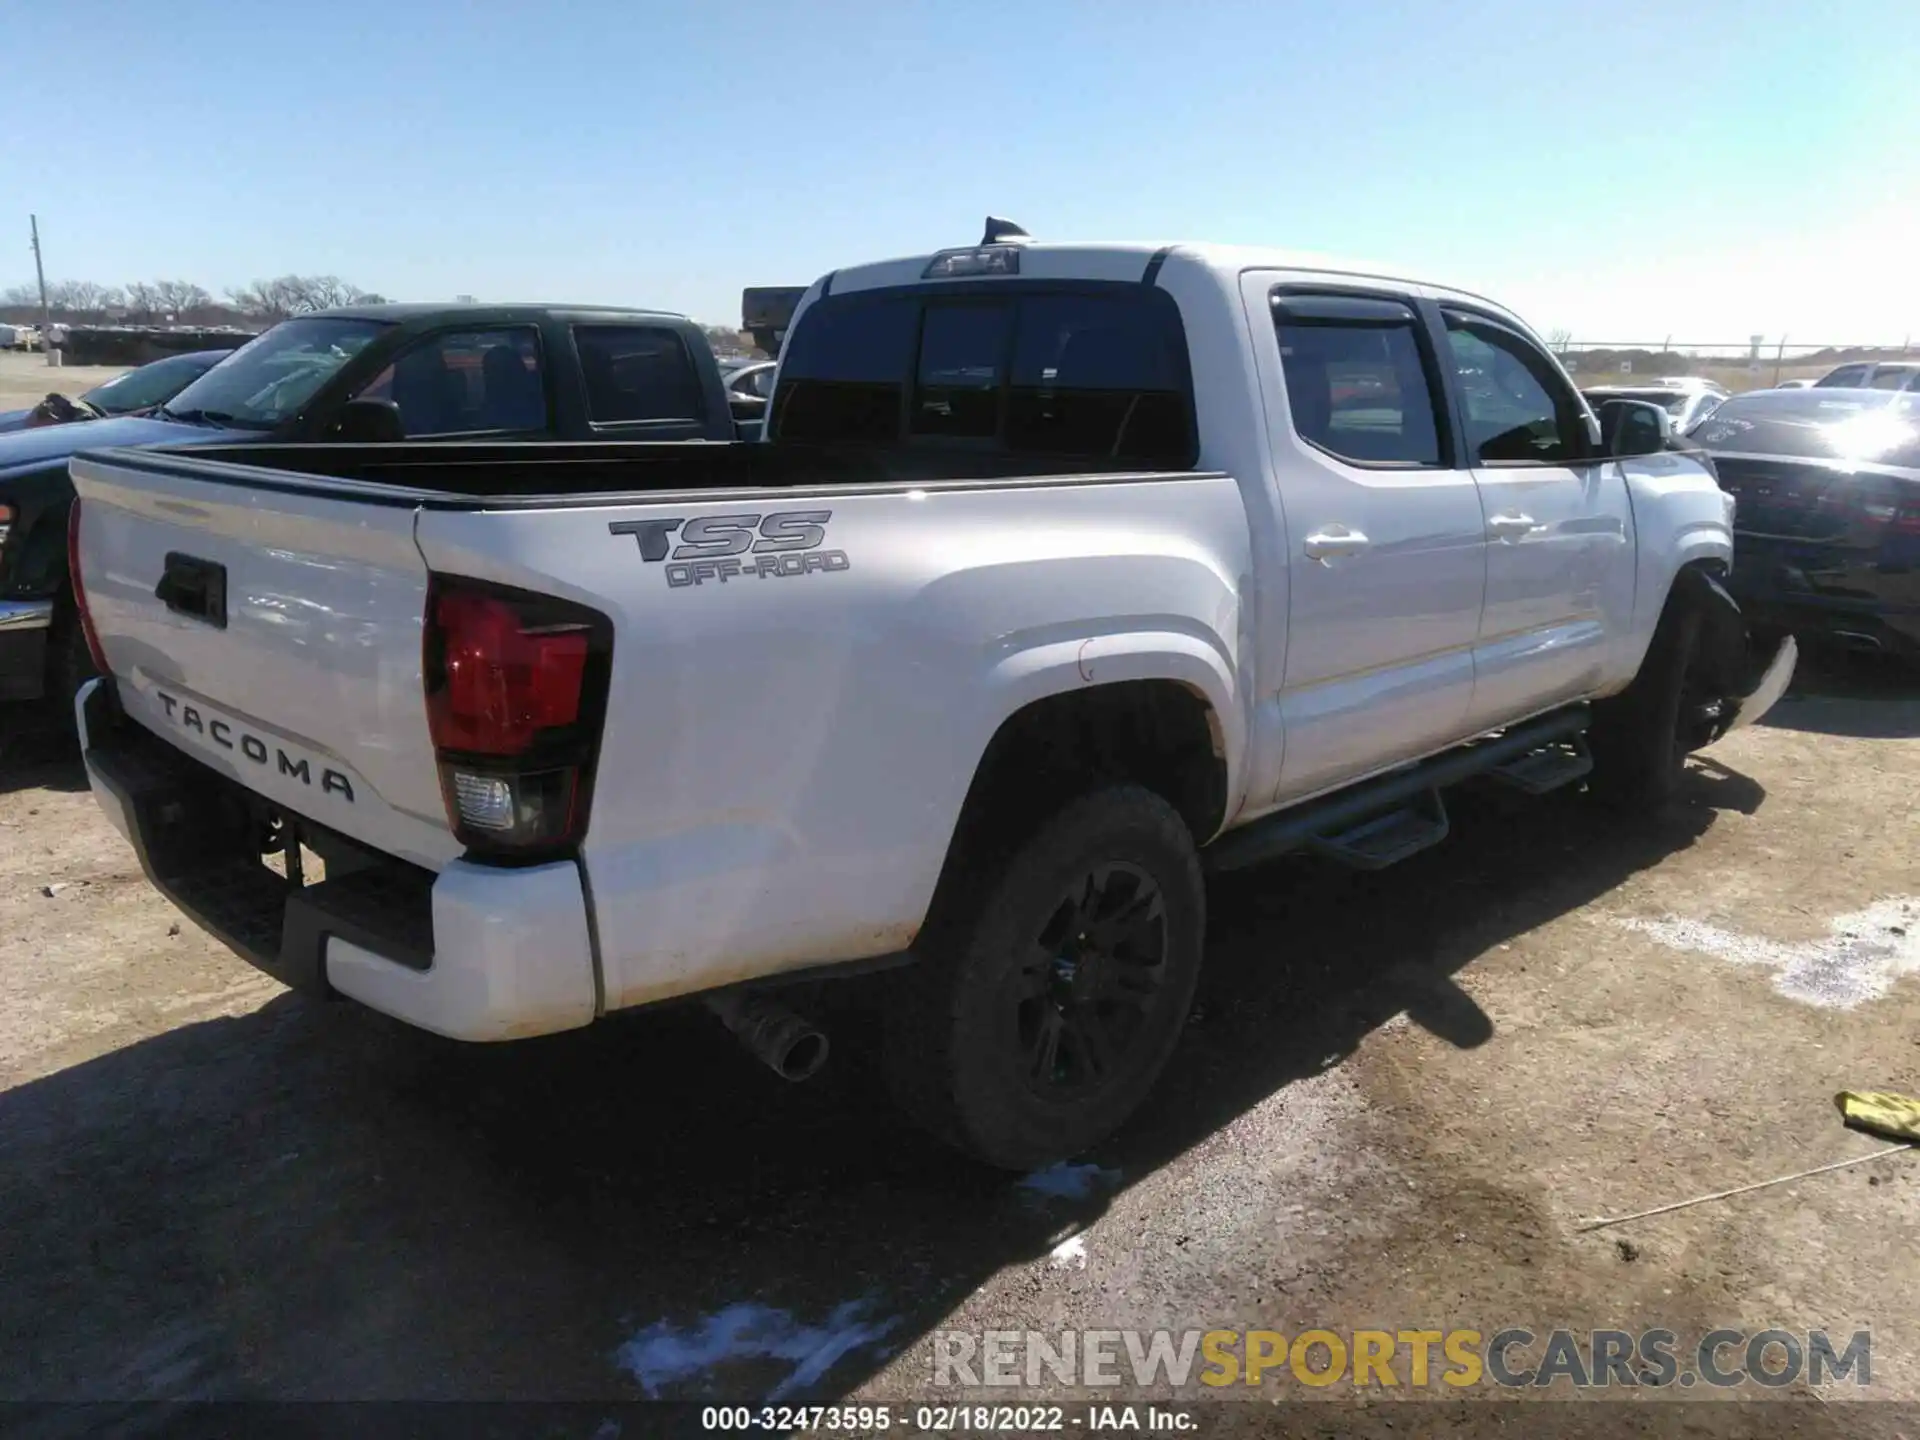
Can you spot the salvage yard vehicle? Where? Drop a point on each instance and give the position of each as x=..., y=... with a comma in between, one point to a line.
x=1687, y=398
x=361, y=373
x=136, y=392
x=1064, y=573
x=1827, y=521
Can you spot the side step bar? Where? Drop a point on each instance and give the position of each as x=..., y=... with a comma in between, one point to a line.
x=1390, y=817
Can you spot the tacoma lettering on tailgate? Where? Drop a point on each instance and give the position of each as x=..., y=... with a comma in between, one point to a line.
x=736, y=547
x=228, y=736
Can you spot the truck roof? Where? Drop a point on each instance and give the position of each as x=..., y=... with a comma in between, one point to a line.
x=400, y=312
x=1128, y=260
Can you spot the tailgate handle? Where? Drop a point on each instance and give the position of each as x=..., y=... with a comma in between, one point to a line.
x=195, y=587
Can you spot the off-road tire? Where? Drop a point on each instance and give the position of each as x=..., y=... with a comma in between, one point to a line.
x=69, y=662
x=952, y=1029
x=1639, y=752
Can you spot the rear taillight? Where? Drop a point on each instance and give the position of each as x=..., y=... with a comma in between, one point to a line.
x=516, y=691
x=79, y=590
x=6, y=524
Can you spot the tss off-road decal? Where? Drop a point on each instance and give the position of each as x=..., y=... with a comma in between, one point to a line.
x=735, y=547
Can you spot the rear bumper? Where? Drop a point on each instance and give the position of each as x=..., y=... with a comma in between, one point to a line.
x=23, y=648
x=1821, y=593
x=475, y=952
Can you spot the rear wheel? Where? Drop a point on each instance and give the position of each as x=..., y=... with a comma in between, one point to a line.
x=1038, y=1019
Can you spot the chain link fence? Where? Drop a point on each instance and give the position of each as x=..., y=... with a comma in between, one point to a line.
x=1752, y=364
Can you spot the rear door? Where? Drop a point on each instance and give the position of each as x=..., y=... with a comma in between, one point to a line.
x=1560, y=567
x=273, y=631
x=484, y=382
x=1389, y=555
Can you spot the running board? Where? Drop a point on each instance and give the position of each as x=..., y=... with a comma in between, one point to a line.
x=1548, y=768
x=1390, y=838
x=1331, y=818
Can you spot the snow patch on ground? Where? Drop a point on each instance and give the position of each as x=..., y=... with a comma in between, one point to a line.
x=1070, y=1254
x=664, y=1354
x=1069, y=1182
x=1867, y=952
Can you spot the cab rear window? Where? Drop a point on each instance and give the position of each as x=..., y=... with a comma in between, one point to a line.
x=1081, y=373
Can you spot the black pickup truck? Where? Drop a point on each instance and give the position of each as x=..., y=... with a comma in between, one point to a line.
x=359, y=374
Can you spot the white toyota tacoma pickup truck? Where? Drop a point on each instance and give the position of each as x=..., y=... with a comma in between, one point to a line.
x=1064, y=572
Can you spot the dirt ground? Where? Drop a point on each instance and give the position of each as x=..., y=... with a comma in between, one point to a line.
x=1402, y=1096
x=25, y=378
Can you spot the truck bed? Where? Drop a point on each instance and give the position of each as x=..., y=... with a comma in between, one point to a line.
x=444, y=475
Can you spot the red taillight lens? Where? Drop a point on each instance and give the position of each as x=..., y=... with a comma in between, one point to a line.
x=505, y=682
x=516, y=684
x=79, y=590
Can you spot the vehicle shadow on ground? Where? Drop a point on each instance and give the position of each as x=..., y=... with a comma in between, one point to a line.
x=308, y=1201
x=1837, y=692
x=37, y=751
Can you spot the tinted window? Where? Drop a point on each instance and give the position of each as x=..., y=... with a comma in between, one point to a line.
x=150, y=384
x=1075, y=373
x=270, y=378
x=1846, y=375
x=1805, y=423
x=1894, y=377
x=636, y=372
x=845, y=367
x=464, y=382
x=1517, y=408
x=963, y=351
x=1097, y=375
x=1357, y=387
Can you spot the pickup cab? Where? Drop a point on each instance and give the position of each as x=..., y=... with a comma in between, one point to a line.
x=1063, y=574
x=368, y=373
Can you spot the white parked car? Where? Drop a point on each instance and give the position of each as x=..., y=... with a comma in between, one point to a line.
x=1065, y=572
x=1880, y=375
x=1687, y=398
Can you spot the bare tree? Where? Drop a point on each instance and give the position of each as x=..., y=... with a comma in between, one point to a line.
x=83, y=298
x=143, y=301
x=20, y=295
x=296, y=295
x=1559, y=340
x=179, y=298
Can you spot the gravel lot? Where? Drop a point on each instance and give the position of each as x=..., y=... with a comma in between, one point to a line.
x=25, y=378
x=1401, y=1096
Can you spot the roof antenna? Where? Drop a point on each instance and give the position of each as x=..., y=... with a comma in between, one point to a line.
x=1003, y=232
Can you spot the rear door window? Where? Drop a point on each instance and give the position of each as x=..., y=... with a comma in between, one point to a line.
x=1894, y=377
x=637, y=373
x=1358, y=383
x=467, y=382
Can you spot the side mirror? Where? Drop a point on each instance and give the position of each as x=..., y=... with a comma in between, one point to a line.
x=367, y=422
x=1634, y=427
x=747, y=407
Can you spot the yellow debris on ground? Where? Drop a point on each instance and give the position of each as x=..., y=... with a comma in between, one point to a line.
x=1895, y=1116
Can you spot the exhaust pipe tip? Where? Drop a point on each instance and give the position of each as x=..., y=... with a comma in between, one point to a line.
x=788, y=1044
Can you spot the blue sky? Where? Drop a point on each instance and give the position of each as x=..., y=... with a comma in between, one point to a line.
x=1705, y=169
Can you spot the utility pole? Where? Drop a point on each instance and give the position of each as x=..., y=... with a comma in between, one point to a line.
x=40, y=272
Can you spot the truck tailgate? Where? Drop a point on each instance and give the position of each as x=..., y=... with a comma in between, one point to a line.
x=271, y=633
